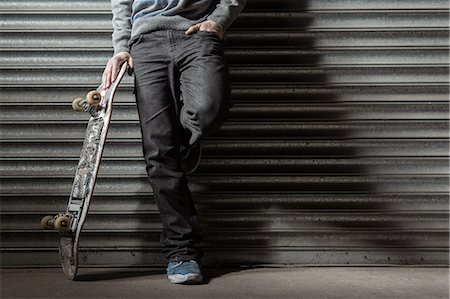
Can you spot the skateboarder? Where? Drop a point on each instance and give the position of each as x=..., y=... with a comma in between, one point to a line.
x=182, y=92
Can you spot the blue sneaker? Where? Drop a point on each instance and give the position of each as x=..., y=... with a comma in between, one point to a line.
x=186, y=272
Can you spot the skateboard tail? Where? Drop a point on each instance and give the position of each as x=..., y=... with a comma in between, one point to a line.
x=68, y=256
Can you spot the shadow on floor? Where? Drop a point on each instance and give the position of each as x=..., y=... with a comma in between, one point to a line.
x=88, y=274
x=110, y=274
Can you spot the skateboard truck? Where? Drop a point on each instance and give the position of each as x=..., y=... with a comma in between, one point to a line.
x=60, y=222
x=65, y=222
x=90, y=104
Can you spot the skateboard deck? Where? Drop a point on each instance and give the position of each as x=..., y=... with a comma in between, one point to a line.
x=69, y=223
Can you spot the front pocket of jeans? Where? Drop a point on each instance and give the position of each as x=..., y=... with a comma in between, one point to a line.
x=136, y=41
x=208, y=33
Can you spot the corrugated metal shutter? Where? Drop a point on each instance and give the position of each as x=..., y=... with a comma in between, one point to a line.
x=336, y=151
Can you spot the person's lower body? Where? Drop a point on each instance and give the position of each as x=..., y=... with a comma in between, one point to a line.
x=182, y=93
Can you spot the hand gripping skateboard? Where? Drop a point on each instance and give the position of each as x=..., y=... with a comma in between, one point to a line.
x=69, y=224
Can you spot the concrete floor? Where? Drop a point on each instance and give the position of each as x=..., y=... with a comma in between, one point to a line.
x=297, y=282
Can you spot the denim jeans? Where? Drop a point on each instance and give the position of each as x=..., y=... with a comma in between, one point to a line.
x=182, y=92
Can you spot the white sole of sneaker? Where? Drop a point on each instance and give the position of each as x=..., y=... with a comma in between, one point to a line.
x=185, y=279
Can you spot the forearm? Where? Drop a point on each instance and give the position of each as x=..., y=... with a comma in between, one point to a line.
x=226, y=12
x=121, y=10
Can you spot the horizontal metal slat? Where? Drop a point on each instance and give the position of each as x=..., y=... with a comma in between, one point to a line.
x=224, y=202
x=280, y=220
x=285, y=111
x=379, y=57
x=355, y=20
x=23, y=257
x=298, y=75
x=367, y=166
x=342, y=74
x=49, y=5
x=338, y=93
x=315, y=39
x=330, y=111
x=302, y=130
x=323, y=183
x=321, y=93
x=151, y=257
x=237, y=148
x=320, y=19
x=102, y=5
x=236, y=238
x=43, y=60
x=251, y=38
x=345, y=4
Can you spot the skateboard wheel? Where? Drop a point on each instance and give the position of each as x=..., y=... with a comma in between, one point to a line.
x=76, y=104
x=93, y=97
x=62, y=223
x=45, y=222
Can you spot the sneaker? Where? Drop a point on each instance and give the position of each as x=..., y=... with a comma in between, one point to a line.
x=184, y=272
x=190, y=157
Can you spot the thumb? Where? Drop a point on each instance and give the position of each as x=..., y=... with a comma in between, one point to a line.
x=130, y=65
x=130, y=62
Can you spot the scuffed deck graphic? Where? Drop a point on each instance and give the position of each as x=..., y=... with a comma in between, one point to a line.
x=82, y=189
x=85, y=172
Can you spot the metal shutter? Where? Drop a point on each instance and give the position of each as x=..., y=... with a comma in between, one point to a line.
x=336, y=151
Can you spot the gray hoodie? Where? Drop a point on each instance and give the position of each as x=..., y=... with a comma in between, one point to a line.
x=131, y=18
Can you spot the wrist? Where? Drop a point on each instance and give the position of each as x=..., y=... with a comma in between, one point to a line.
x=215, y=25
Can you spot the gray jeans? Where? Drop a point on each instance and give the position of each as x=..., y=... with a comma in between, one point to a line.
x=182, y=93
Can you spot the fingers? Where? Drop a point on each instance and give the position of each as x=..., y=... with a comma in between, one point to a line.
x=130, y=65
x=112, y=68
x=193, y=29
x=130, y=62
x=206, y=26
x=106, y=78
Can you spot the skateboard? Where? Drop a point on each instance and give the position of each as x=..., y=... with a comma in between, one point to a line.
x=98, y=103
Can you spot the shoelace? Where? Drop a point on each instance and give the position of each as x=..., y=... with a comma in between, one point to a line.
x=177, y=264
